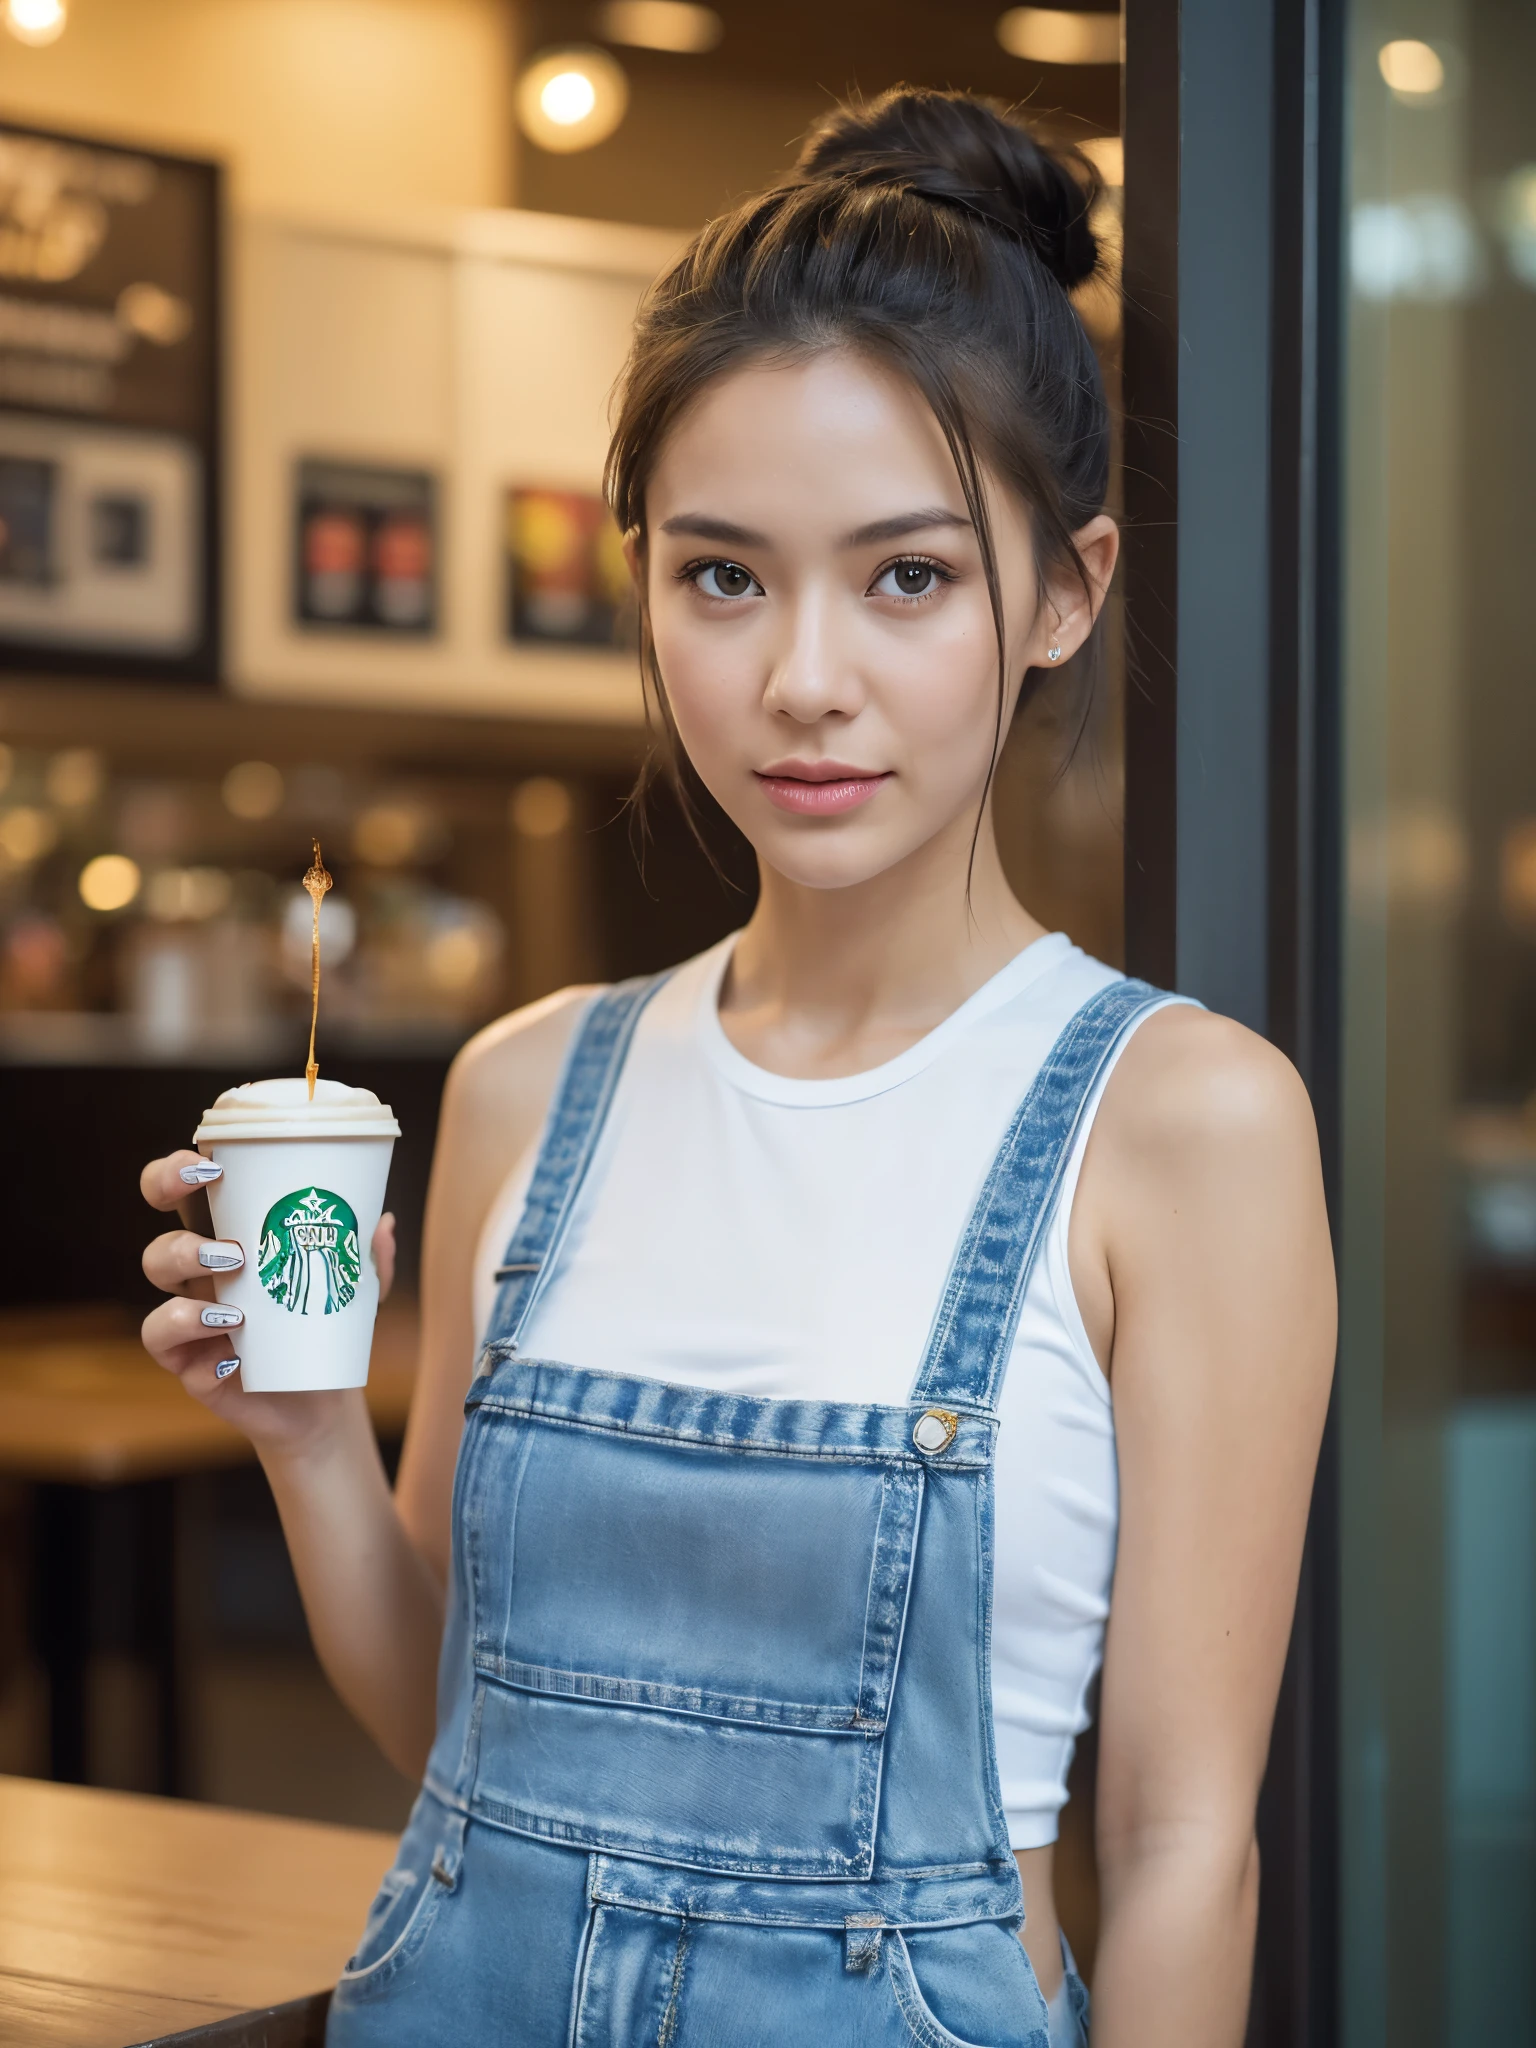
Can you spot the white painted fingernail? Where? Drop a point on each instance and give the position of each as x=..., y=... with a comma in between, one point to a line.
x=198, y=1176
x=217, y=1317
x=225, y=1367
x=214, y=1255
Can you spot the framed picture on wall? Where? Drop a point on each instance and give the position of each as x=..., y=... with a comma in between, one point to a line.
x=364, y=548
x=109, y=351
x=567, y=581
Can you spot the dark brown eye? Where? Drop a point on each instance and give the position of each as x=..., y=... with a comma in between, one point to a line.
x=725, y=579
x=908, y=579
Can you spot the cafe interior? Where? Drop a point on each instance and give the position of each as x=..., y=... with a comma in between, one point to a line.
x=310, y=311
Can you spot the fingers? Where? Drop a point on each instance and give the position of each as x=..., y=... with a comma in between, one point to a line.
x=384, y=1254
x=165, y=1182
x=180, y=1260
x=195, y=1340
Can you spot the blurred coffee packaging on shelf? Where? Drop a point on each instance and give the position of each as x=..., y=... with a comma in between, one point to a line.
x=365, y=548
x=109, y=428
x=567, y=580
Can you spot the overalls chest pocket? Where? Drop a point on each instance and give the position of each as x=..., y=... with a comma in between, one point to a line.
x=685, y=1639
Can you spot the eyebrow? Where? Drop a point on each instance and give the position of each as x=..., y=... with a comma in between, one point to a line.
x=705, y=526
x=903, y=524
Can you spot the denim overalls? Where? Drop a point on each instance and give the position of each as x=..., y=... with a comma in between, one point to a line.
x=714, y=1761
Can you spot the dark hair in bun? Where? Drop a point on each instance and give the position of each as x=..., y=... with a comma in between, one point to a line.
x=960, y=151
x=934, y=233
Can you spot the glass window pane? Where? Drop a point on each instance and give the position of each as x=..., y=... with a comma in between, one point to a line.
x=1439, y=1226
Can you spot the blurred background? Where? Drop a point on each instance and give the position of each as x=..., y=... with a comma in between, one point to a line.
x=309, y=315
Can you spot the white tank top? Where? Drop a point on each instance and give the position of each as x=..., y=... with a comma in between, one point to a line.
x=784, y=1238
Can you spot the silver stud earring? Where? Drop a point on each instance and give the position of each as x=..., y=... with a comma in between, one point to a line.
x=1053, y=653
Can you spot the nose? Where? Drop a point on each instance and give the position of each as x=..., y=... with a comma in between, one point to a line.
x=813, y=675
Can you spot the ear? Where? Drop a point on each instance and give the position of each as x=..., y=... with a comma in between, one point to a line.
x=631, y=545
x=1066, y=617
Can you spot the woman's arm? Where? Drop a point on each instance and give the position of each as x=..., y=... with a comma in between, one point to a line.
x=372, y=1567
x=1205, y=1196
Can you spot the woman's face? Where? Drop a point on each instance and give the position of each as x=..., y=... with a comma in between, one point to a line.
x=821, y=616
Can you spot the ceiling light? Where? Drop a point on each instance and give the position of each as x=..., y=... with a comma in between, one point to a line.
x=35, y=21
x=675, y=25
x=1413, y=70
x=1054, y=35
x=570, y=99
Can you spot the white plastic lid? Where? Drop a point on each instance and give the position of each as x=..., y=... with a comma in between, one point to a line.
x=282, y=1109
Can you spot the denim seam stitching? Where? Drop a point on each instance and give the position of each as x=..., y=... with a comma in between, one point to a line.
x=595, y=1689
x=1070, y=1071
x=579, y=1108
x=579, y=1986
x=929, y=2031
x=871, y=1594
x=900, y=1644
x=668, y=2028
x=519, y=1821
x=843, y=1454
x=999, y=1174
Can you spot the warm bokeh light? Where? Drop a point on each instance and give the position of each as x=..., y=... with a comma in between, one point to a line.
x=568, y=97
x=75, y=778
x=26, y=835
x=388, y=835
x=109, y=882
x=187, y=895
x=541, y=808
x=1056, y=35
x=1107, y=155
x=675, y=25
x=1517, y=874
x=1413, y=70
x=154, y=313
x=35, y=21
x=1416, y=858
x=253, y=790
x=571, y=99
x=455, y=958
x=1517, y=222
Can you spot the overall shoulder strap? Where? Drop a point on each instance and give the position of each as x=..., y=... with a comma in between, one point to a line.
x=578, y=1111
x=973, y=1332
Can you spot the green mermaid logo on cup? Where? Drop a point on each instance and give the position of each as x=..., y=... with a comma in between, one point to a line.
x=310, y=1261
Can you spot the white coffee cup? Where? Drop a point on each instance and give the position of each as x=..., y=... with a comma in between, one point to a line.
x=301, y=1194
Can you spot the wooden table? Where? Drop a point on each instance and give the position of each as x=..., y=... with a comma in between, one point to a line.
x=123, y=1919
x=83, y=1408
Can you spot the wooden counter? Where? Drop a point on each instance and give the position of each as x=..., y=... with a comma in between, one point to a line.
x=93, y=1409
x=123, y=1919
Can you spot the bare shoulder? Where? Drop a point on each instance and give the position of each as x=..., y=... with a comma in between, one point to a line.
x=500, y=1082
x=1194, y=1089
x=519, y=1051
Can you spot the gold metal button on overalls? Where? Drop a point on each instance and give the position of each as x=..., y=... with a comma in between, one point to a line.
x=934, y=1430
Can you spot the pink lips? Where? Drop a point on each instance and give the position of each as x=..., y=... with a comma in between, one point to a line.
x=818, y=789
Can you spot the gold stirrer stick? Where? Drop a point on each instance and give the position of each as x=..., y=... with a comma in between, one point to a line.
x=317, y=881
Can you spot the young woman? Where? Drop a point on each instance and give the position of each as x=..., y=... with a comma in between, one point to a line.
x=857, y=1320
